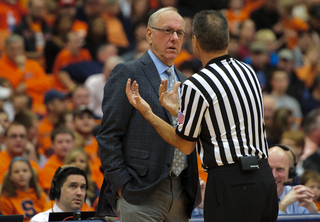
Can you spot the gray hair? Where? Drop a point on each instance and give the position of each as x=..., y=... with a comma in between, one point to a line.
x=154, y=17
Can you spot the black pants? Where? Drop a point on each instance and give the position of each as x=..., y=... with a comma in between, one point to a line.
x=236, y=195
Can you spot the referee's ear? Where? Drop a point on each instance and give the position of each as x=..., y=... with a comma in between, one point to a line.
x=195, y=42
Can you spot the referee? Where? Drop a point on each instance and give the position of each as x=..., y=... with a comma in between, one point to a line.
x=221, y=113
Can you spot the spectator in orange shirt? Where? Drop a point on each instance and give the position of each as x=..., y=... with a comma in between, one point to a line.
x=34, y=30
x=25, y=75
x=62, y=142
x=56, y=104
x=84, y=124
x=21, y=192
x=69, y=8
x=80, y=97
x=15, y=141
x=73, y=53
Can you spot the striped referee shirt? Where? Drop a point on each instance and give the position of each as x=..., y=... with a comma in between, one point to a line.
x=221, y=108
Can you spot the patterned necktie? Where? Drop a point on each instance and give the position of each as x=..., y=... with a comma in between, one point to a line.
x=178, y=159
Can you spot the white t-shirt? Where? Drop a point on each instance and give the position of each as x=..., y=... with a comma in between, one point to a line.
x=44, y=216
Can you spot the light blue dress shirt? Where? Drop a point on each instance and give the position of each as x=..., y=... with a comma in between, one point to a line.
x=161, y=67
x=293, y=208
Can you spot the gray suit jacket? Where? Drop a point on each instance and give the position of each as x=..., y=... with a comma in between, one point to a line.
x=131, y=151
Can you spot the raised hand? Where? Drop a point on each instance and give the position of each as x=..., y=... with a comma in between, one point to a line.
x=135, y=99
x=169, y=100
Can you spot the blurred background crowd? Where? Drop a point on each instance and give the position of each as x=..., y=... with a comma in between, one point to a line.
x=56, y=56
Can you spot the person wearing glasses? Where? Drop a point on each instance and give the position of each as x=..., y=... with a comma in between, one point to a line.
x=146, y=179
x=16, y=142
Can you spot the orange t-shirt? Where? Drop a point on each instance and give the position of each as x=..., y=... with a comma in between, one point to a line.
x=96, y=175
x=44, y=139
x=34, y=76
x=25, y=202
x=115, y=31
x=48, y=171
x=5, y=160
x=65, y=58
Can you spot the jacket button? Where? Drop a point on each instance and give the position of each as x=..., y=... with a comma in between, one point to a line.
x=168, y=165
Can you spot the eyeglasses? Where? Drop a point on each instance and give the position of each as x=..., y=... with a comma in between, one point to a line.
x=169, y=32
x=15, y=136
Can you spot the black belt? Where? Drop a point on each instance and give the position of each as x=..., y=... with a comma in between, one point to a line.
x=237, y=165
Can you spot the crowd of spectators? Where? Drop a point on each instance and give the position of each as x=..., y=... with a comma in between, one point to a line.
x=56, y=56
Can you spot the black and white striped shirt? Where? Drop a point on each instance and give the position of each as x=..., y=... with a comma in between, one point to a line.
x=221, y=108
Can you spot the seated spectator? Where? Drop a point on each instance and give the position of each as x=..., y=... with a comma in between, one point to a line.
x=56, y=103
x=35, y=31
x=69, y=8
x=73, y=53
x=84, y=124
x=62, y=142
x=79, y=158
x=31, y=121
x=25, y=75
x=80, y=97
x=61, y=27
x=311, y=179
x=259, y=60
x=96, y=83
x=15, y=142
x=21, y=193
x=292, y=200
x=295, y=140
x=68, y=189
x=245, y=37
x=282, y=121
x=268, y=37
x=66, y=120
x=21, y=102
x=279, y=82
x=296, y=88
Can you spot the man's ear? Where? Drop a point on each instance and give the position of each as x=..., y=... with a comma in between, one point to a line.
x=149, y=35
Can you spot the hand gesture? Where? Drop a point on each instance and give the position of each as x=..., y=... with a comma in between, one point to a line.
x=135, y=99
x=169, y=100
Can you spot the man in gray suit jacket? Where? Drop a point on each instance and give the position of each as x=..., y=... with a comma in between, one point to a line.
x=137, y=163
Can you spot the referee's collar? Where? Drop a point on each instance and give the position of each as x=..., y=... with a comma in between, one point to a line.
x=217, y=59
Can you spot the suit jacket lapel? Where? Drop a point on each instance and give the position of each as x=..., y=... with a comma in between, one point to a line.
x=151, y=72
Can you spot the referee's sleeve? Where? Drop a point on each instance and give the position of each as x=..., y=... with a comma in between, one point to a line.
x=191, y=112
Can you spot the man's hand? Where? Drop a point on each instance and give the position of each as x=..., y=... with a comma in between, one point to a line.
x=169, y=100
x=135, y=99
x=298, y=193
